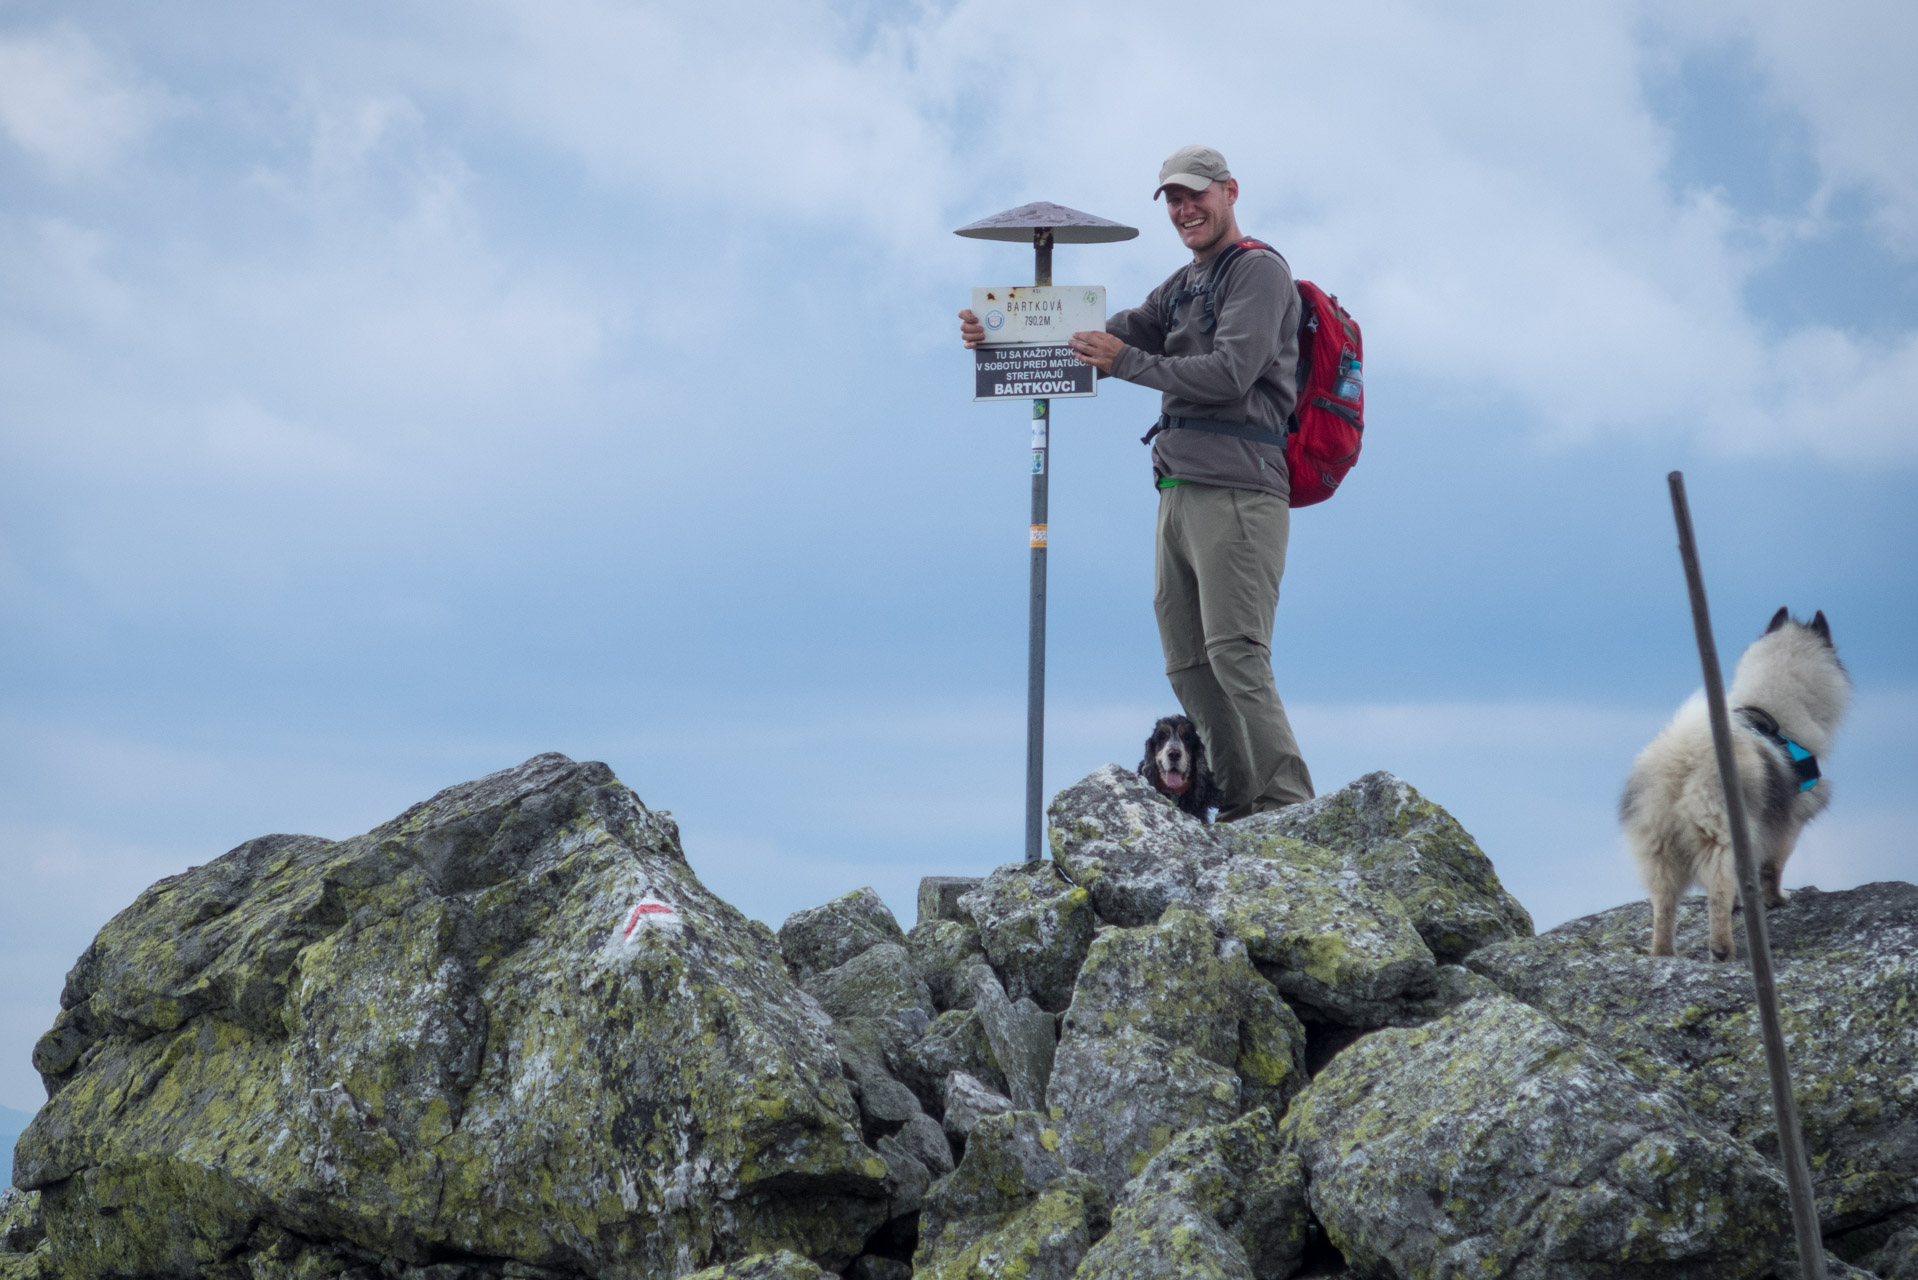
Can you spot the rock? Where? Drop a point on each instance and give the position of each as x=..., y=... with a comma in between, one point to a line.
x=1044, y=1241
x=1012, y=1208
x=1119, y=1098
x=825, y=937
x=1898, y=1259
x=1222, y=1201
x=1491, y=1142
x=1035, y=928
x=943, y=953
x=1009, y=1161
x=783, y=1265
x=939, y=898
x=509, y=1024
x=1847, y=968
x=956, y=1041
x=923, y=1138
x=879, y=984
x=1127, y=846
x=1178, y=982
x=1399, y=841
x=22, y=1226
x=1023, y=1038
x=968, y=1101
x=1323, y=935
x=884, y=1103
x=871, y=1267
x=906, y=1178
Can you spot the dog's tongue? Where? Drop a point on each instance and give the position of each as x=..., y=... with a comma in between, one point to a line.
x=1175, y=781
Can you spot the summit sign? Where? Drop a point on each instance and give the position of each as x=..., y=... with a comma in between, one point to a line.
x=1024, y=355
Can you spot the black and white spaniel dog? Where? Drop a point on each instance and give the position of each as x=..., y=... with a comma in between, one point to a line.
x=1175, y=766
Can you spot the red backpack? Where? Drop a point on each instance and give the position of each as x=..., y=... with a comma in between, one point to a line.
x=1327, y=424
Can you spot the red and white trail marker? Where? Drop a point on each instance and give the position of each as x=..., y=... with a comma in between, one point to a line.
x=649, y=914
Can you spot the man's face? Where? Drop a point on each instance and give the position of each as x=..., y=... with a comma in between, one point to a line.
x=1203, y=219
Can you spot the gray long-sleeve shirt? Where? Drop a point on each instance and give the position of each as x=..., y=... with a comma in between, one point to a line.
x=1242, y=371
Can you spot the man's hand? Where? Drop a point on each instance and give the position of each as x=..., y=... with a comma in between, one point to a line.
x=971, y=332
x=1096, y=348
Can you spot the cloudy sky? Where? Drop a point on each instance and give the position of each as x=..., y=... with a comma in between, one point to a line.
x=390, y=392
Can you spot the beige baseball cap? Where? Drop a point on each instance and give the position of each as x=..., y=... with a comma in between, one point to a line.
x=1195, y=166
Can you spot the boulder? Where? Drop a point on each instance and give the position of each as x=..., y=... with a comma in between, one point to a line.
x=968, y=1101
x=1023, y=1038
x=22, y=1226
x=878, y=984
x=939, y=898
x=1226, y=1201
x=957, y=1042
x=1897, y=1259
x=1493, y=1142
x=1324, y=936
x=1177, y=982
x=1119, y=1098
x=825, y=937
x=24, y=1252
x=1011, y=1209
x=1847, y=970
x=1127, y=846
x=1035, y=927
x=943, y=953
x=783, y=1265
x=872, y=1267
x=884, y=1103
x=1382, y=828
x=508, y=1024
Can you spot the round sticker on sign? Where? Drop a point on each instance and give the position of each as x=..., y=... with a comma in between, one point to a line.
x=995, y=319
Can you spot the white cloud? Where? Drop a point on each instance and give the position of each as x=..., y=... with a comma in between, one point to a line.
x=1487, y=187
x=1845, y=68
x=64, y=102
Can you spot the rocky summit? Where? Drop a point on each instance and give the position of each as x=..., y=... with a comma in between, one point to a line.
x=509, y=1034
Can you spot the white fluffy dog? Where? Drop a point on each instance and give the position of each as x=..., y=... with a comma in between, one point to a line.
x=1787, y=697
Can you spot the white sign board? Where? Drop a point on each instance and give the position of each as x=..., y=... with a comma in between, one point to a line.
x=1024, y=354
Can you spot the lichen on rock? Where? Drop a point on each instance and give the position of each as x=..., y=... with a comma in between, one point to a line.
x=943, y=953
x=1325, y=937
x=1493, y=1142
x=1128, y=846
x=509, y=1024
x=1847, y=976
x=827, y=936
x=1226, y=1201
x=1035, y=927
x=1011, y=1209
x=1402, y=843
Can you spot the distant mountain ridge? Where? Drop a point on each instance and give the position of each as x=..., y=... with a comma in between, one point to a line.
x=12, y=1125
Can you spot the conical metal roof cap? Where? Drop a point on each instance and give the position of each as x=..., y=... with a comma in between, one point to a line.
x=1069, y=226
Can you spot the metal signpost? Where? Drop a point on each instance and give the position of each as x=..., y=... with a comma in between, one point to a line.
x=1045, y=370
x=1791, y=1139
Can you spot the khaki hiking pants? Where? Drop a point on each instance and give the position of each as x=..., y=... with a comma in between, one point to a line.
x=1216, y=575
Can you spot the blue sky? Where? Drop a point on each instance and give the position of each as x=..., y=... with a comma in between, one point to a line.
x=389, y=393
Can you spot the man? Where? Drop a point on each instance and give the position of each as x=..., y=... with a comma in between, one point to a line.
x=1226, y=371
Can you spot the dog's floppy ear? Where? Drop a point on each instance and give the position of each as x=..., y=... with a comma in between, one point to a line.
x=1779, y=619
x=1823, y=628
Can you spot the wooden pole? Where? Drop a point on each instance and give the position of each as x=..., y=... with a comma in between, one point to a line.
x=1791, y=1141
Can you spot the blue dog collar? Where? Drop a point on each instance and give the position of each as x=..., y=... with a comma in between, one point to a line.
x=1804, y=765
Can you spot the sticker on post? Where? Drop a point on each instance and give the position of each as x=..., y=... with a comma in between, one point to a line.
x=1038, y=537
